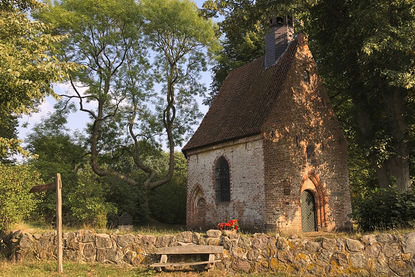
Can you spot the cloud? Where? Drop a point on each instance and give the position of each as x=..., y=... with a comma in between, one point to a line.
x=27, y=122
x=66, y=88
x=76, y=121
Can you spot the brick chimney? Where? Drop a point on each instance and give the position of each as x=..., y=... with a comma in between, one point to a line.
x=278, y=39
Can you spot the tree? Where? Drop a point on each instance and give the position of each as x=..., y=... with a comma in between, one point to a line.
x=84, y=194
x=179, y=35
x=56, y=151
x=107, y=36
x=27, y=65
x=366, y=53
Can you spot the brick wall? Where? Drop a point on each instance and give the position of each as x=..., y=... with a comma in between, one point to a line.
x=246, y=183
x=305, y=149
x=301, y=148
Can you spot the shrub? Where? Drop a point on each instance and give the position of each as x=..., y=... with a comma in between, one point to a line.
x=87, y=201
x=168, y=202
x=16, y=203
x=385, y=209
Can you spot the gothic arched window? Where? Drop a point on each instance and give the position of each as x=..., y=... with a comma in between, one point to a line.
x=223, y=190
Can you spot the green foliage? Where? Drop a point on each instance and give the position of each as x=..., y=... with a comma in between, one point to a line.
x=111, y=37
x=365, y=53
x=87, y=201
x=181, y=21
x=57, y=152
x=16, y=203
x=383, y=209
x=8, y=133
x=22, y=5
x=83, y=194
x=27, y=65
x=128, y=199
x=183, y=41
x=168, y=202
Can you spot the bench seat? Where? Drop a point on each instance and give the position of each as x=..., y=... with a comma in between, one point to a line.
x=187, y=250
x=190, y=249
x=184, y=264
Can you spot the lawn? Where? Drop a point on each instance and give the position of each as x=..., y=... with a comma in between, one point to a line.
x=48, y=268
x=159, y=229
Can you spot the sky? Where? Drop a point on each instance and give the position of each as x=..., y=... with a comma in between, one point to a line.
x=78, y=120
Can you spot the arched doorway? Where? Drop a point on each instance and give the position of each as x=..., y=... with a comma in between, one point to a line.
x=200, y=212
x=308, y=212
x=197, y=209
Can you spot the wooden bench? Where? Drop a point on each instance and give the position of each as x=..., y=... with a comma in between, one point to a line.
x=187, y=250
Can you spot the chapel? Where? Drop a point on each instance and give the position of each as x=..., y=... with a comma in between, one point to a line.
x=270, y=152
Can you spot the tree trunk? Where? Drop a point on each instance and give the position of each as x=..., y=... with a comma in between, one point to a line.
x=395, y=169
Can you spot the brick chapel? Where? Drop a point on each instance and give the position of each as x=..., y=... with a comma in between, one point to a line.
x=270, y=151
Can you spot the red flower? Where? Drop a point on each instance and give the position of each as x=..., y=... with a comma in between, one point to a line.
x=232, y=224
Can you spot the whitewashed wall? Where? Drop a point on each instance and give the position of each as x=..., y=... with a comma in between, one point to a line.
x=246, y=166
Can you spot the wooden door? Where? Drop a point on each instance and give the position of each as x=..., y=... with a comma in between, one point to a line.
x=308, y=212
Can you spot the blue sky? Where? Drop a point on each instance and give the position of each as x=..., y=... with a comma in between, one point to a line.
x=78, y=120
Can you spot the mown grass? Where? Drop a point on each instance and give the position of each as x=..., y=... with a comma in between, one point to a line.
x=160, y=229
x=155, y=230
x=48, y=268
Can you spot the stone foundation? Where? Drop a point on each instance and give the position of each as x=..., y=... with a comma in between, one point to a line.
x=369, y=255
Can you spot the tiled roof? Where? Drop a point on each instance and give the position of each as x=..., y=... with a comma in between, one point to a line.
x=243, y=102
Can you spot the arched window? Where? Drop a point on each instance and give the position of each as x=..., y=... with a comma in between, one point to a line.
x=223, y=192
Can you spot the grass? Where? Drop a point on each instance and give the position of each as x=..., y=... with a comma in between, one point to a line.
x=165, y=229
x=48, y=268
x=154, y=230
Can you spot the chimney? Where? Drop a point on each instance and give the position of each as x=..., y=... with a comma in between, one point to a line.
x=278, y=39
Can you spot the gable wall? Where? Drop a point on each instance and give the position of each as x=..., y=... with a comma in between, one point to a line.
x=302, y=117
x=245, y=159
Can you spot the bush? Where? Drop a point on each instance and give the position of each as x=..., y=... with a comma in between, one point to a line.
x=385, y=209
x=128, y=199
x=16, y=203
x=87, y=201
x=168, y=202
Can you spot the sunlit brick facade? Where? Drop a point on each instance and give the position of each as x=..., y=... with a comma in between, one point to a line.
x=282, y=142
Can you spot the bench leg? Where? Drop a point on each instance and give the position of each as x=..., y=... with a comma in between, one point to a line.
x=212, y=260
x=163, y=260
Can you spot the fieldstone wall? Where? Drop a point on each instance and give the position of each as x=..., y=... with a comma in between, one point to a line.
x=369, y=255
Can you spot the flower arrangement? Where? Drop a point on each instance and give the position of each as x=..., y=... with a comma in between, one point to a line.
x=230, y=225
